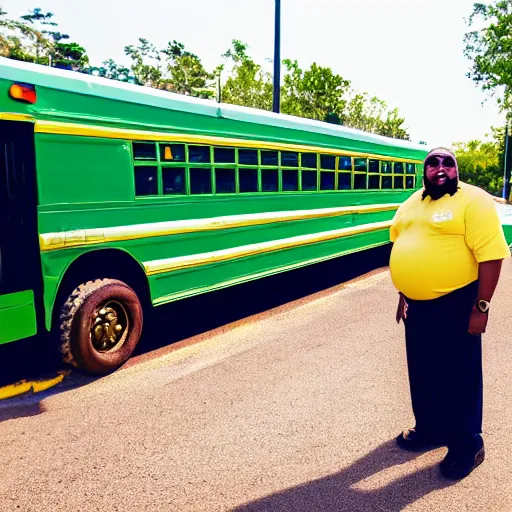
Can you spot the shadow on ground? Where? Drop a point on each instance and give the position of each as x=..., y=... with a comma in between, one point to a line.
x=37, y=358
x=340, y=492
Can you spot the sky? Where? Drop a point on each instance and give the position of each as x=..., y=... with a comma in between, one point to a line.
x=409, y=53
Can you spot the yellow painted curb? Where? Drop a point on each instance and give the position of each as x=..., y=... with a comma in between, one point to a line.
x=22, y=387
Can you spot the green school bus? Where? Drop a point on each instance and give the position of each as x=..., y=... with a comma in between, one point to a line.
x=116, y=197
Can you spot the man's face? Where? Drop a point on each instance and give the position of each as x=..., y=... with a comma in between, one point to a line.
x=439, y=168
x=440, y=175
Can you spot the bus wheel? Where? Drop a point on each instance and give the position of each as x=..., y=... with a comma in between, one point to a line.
x=100, y=325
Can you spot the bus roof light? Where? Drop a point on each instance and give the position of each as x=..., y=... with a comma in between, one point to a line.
x=23, y=92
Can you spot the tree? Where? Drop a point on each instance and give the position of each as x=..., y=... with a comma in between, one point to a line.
x=481, y=162
x=146, y=63
x=34, y=39
x=186, y=73
x=490, y=50
x=172, y=69
x=392, y=126
x=19, y=40
x=316, y=93
x=41, y=38
x=114, y=71
x=248, y=84
x=372, y=115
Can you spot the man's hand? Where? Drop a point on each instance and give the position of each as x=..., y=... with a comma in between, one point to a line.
x=477, y=322
x=401, y=310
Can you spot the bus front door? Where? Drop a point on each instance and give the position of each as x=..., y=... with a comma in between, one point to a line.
x=20, y=266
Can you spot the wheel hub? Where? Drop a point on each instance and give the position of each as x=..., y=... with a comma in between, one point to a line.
x=109, y=324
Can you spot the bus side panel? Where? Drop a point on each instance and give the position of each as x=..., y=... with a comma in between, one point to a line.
x=77, y=174
x=88, y=183
x=82, y=170
x=192, y=281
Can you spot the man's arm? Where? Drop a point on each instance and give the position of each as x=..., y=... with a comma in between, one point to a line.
x=488, y=276
x=485, y=238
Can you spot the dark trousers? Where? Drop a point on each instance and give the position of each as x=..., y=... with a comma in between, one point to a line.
x=445, y=365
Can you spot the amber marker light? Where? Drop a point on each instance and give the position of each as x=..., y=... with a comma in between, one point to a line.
x=23, y=92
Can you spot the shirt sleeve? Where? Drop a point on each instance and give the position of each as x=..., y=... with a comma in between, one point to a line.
x=484, y=233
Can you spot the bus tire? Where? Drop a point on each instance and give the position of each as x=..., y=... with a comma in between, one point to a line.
x=100, y=325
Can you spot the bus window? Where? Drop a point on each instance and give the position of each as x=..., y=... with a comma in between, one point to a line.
x=345, y=163
x=248, y=179
x=410, y=168
x=200, y=181
x=224, y=155
x=248, y=157
x=308, y=160
x=409, y=182
x=309, y=180
x=144, y=151
x=327, y=180
x=374, y=182
x=387, y=182
x=269, y=158
x=199, y=154
x=373, y=166
x=269, y=180
x=225, y=181
x=399, y=168
x=398, y=182
x=385, y=168
x=289, y=159
x=360, y=164
x=359, y=181
x=172, y=152
x=290, y=180
x=344, y=181
x=328, y=162
x=174, y=180
x=146, y=180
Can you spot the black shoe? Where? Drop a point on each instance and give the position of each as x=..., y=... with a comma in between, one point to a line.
x=461, y=460
x=415, y=441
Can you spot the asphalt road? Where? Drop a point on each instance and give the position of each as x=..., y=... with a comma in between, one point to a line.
x=293, y=409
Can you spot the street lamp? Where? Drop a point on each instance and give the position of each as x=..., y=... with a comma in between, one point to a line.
x=507, y=162
x=276, y=103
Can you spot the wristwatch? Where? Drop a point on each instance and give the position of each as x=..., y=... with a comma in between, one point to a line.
x=483, y=305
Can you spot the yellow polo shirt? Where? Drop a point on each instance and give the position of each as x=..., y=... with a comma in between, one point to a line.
x=438, y=244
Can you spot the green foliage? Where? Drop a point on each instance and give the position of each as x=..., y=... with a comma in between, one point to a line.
x=481, y=162
x=372, y=115
x=114, y=71
x=172, y=69
x=32, y=39
x=186, y=73
x=315, y=93
x=490, y=50
x=248, y=84
x=146, y=63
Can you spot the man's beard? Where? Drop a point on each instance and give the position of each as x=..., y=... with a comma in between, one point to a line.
x=450, y=186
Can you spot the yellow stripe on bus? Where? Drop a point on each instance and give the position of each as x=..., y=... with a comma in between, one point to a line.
x=60, y=128
x=84, y=237
x=194, y=260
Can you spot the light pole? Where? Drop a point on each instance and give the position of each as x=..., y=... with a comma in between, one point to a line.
x=507, y=162
x=276, y=103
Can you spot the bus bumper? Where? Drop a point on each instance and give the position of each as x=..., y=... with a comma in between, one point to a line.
x=17, y=316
